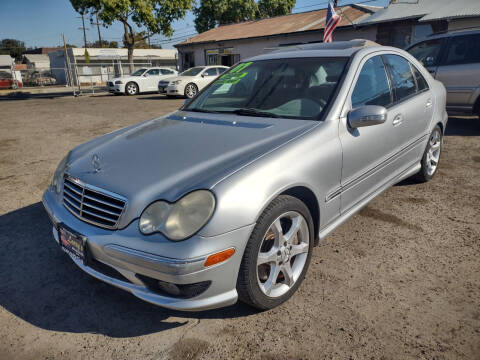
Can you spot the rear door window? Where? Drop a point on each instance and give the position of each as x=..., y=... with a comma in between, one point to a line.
x=372, y=86
x=463, y=49
x=427, y=52
x=403, y=82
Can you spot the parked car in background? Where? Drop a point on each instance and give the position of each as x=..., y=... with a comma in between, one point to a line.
x=454, y=59
x=141, y=81
x=191, y=81
x=225, y=198
x=8, y=82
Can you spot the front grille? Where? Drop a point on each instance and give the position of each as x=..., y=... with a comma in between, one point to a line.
x=93, y=206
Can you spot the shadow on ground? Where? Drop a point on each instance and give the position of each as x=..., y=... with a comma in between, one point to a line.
x=463, y=126
x=42, y=286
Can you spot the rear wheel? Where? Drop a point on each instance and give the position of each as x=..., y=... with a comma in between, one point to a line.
x=277, y=255
x=191, y=90
x=131, y=88
x=431, y=156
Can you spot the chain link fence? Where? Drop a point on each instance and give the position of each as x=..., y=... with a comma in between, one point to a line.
x=79, y=78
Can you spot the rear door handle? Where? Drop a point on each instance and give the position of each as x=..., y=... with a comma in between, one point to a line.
x=397, y=120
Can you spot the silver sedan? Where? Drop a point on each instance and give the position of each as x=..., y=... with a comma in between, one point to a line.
x=225, y=198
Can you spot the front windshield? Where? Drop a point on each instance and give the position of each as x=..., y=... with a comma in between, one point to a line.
x=139, y=72
x=192, y=71
x=290, y=88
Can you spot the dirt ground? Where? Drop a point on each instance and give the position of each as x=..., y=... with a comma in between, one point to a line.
x=400, y=280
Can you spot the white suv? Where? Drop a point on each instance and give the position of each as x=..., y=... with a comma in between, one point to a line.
x=191, y=81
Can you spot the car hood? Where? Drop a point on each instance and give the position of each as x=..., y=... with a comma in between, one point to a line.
x=167, y=157
x=124, y=78
x=183, y=78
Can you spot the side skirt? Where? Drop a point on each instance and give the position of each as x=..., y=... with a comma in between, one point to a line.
x=327, y=229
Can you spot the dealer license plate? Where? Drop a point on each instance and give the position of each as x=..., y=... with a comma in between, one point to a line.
x=72, y=243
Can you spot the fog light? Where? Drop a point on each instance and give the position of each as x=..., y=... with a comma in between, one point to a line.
x=169, y=288
x=219, y=257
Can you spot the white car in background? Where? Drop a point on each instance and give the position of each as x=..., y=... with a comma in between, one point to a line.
x=191, y=81
x=141, y=81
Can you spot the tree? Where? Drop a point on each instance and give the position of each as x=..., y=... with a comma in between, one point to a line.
x=154, y=15
x=211, y=13
x=103, y=44
x=270, y=8
x=14, y=48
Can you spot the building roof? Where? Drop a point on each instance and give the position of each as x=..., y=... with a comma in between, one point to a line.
x=6, y=60
x=425, y=10
x=287, y=24
x=112, y=53
x=34, y=58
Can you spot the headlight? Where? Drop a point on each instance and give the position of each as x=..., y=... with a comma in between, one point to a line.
x=176, y=82
x=180, y=220
x=58, y=176
x=118, y=82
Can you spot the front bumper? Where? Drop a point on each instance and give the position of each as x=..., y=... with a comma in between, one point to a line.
x=130, y=253
x=116, y=88
x=171, y=90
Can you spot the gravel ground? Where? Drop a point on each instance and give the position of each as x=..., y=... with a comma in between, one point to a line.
x=400, y=280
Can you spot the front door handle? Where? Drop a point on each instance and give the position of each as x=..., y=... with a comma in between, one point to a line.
x=428, y=103
x=397, y=120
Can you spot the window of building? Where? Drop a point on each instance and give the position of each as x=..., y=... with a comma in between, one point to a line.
x=372, y=86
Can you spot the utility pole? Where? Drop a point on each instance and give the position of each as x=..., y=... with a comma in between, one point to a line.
x=67, y=59
x=84, y=31
x=98, y=28
x=148, y=37
x=335, y=3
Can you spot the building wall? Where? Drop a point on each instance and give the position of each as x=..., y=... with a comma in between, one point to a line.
x=465, y=23
x=247, y=48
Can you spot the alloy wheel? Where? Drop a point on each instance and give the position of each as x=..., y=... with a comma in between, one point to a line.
x=190, y=90
x=433, y=152
x=283, y=254
x=131, y=89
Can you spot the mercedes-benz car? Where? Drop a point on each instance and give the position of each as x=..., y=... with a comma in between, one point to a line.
x=191, y=81
x=140, y=81
x=225, y=198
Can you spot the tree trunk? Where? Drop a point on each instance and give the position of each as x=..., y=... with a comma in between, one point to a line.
x=129, y=41
x=130, y=57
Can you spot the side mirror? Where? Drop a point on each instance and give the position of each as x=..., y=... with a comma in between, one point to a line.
x=203, y=75
x=367, y=115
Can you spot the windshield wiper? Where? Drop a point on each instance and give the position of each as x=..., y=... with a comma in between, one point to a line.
x=202, y=110
x=254, y=112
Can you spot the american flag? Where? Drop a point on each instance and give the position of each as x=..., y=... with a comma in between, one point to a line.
x=332, y=21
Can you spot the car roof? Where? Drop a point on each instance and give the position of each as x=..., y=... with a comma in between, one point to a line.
x=453, y=33
x=333, y=49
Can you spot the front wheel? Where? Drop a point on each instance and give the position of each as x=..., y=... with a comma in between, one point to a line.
x=277, y=254
x=431, y=156
x=191, y=90
x=131, y=88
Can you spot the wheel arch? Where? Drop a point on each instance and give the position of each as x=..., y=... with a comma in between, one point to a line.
x=132, y=81
x=307, y=196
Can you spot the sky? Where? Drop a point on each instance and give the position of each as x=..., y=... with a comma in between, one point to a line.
x=41, y=22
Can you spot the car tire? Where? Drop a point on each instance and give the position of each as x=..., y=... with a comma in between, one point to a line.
x=265, y=281
x=131, y=88
x=431, y=156
x=191, y=90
